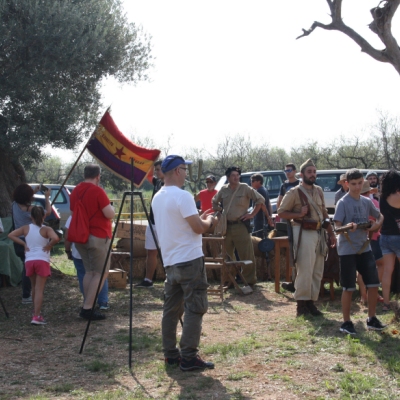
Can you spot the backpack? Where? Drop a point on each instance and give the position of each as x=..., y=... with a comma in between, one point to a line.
x=78, y=231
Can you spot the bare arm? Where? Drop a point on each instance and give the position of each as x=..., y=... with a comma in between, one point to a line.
x=377, y=224
x=22, y=231
x=108, y=211
x=47, y=202
x=278, y=202
x=50, y=234
x=67, y=244
x=200, y=224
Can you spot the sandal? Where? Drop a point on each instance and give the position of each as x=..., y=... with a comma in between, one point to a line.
x=386, y=307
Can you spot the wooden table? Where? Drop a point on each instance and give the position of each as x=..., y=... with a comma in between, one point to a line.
x=281, y=243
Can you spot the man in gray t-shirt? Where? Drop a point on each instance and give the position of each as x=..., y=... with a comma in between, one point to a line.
x=355, y=253
x=350, y=210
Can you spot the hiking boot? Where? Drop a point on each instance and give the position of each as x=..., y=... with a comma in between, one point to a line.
x=195, y=363
x=27, y=300
x=104, y=306
x=172, y=361
x=144, y=284
x=38, y=320
x=374, y=324
x=302, y=308
x=289, y=286
x=348, y=327
x=313, y=309
x=96, y=316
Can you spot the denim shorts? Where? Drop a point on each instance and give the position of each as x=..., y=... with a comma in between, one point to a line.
x=376, y=249
x=390, y=244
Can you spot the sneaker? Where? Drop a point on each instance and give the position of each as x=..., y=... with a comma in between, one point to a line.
x=374, y=324
x=195, y=363
x=96, y=316
x=27, y=300
x=172, y=361
x=144, y=284
x=38, y=320
x=289, y=286
x=348, y=327
x=104, y=306
x=313, y=309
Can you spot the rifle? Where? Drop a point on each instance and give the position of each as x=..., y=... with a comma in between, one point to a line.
x=348, y=227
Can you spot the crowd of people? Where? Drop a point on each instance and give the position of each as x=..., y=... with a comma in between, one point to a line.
x=367, y=216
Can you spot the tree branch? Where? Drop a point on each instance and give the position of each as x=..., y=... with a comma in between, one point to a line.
x=381, y=25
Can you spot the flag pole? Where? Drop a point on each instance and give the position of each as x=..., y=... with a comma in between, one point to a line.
x=76, y=162
x=131, y=269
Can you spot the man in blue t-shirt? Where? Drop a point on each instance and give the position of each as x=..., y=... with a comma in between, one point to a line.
x=264, y=215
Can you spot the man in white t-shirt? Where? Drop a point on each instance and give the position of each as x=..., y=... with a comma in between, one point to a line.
x=179, y=230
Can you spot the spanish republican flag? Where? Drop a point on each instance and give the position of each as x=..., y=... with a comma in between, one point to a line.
x=109, y=146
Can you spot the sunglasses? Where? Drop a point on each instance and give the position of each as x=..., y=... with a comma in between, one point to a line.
x=288, y=170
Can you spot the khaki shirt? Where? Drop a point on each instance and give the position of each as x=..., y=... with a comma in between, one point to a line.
x=291, y=202
x=240, y=203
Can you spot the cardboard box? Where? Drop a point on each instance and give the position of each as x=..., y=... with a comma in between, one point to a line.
x=117, y=279
x=124, y=230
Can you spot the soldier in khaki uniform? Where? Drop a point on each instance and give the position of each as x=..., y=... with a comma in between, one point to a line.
x=235, y=198
x=304, y=207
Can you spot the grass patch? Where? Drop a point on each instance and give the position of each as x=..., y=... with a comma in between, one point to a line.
x=238, y=376
x=234, y=349
x=60, y=388
x=357, y=384
x=99, y=366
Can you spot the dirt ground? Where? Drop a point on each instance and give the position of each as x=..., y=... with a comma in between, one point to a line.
x=260, y=350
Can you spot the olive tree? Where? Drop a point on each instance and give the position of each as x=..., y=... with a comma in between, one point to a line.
x=53, y=57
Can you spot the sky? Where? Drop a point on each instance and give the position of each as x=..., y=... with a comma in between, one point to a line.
x=235, y=67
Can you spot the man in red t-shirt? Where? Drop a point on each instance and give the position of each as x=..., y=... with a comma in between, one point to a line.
x=205, y=196
x=94, y=251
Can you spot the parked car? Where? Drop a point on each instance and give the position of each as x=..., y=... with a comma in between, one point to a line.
x=328, y=180
x=52, y=220
x=62, y=202
x=272, y=182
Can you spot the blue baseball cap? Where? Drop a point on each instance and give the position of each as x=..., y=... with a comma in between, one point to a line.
x=173, y=161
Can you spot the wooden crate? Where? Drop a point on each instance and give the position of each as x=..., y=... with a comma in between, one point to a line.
x=117, y=279
x=124, y=231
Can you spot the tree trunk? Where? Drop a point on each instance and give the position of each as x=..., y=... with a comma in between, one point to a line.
x=12, y=174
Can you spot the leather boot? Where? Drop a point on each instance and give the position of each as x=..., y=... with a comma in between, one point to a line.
x=302, y=308
x=313, y=309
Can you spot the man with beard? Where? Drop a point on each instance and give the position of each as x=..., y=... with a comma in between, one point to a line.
x=372, y=178
x=304, y=207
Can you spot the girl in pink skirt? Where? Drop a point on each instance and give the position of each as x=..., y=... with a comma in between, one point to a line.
x=39, y=240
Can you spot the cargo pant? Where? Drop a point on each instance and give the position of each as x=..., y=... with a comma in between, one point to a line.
x=185, y=291
x=237, y=237
x=309, y=265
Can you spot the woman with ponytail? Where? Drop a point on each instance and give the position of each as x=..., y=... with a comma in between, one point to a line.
x=39, y=240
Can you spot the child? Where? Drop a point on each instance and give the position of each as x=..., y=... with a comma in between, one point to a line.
x=39, y=240
x=354, y=250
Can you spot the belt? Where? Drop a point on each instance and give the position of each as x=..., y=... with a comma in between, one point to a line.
x=234, y=222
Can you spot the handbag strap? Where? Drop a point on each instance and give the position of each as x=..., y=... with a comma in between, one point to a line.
x=229, y=205
x=312, y=202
